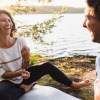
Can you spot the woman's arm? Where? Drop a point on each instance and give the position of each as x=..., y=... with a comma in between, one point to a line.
x=8, y=75
x=25, y=64
x=26, y=57
x=23, y=73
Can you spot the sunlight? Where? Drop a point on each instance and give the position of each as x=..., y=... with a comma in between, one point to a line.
x=71, y=3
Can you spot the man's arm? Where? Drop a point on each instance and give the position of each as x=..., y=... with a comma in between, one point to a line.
x=97, y=89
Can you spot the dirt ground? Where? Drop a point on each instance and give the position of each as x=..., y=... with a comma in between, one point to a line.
x=78, y=68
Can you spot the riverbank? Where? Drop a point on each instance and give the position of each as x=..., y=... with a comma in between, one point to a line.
x=77, y=68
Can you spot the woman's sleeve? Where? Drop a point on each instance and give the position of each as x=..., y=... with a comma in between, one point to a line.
x=2, y=70
x=23, y=42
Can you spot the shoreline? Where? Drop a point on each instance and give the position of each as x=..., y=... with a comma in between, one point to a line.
x=33, y=9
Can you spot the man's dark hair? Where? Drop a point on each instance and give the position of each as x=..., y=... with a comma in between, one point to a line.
x=95, y=4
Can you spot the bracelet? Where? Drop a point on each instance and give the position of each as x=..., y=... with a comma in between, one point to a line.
x=26, y=62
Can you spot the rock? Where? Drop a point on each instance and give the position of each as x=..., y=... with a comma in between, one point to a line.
x=46, y=93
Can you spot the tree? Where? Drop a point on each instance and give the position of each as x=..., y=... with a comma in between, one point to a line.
x=38, y=30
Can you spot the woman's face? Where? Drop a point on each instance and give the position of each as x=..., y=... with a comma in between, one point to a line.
x=5, y=24
x=92, y=24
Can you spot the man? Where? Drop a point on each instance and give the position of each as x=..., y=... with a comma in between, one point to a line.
x=92, y=23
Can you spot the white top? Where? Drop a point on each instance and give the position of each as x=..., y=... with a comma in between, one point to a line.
x=11, y=60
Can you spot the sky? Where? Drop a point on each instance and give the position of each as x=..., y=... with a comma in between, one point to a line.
x=71, y=3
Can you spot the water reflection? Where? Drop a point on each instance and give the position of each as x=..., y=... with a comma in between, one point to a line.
x=69, y=36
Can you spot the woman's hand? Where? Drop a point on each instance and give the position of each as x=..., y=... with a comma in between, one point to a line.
x=25, y=54
x=25, y=74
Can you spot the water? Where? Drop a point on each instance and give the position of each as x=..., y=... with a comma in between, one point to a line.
x=69, y=36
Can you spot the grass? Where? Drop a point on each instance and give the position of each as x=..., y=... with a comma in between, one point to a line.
x=76, y=68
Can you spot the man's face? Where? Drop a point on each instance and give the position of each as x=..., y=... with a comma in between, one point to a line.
x=92, y=24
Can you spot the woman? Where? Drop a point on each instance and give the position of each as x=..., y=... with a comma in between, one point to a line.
x=92, y=23
x=15, y=58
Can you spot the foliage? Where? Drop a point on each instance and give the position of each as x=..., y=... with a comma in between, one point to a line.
x=19, y=9
x=37, y=31
x=63, y=10
x=45, y=1
x=38, y=0
x=36, y=58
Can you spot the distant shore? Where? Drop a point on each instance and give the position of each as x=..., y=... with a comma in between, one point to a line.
x=17, y=9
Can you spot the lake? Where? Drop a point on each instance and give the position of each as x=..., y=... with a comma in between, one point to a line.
x=69, y=36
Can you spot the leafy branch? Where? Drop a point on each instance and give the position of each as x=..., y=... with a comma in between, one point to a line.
x=37, y=31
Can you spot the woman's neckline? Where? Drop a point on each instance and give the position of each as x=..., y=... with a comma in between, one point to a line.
x=11, y=45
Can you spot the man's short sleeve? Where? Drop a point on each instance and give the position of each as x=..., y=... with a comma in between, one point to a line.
x=98, y=66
